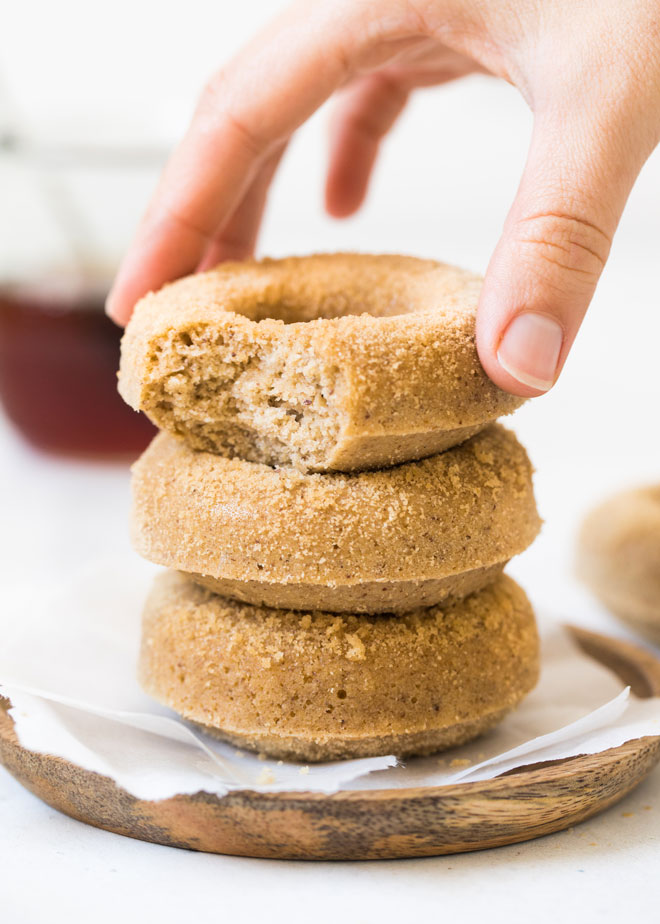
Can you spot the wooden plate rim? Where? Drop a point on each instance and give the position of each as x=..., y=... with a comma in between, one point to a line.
x=591, y=642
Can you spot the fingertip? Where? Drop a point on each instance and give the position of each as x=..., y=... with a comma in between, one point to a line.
x=521, y=352
x=112, y=312
x=503, y=378
x=116, y=307
x=128, y=287
x=135, y=277
x=348, y=177
x=343, y=202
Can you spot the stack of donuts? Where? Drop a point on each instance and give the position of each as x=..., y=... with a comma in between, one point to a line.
x=335, y=505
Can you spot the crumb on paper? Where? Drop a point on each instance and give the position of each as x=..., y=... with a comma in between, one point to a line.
x=627, y=814
x=266, y=777
x=280, y=763
x=239, y=754
x=303, y=771
x=460, y=762
x=647, y=808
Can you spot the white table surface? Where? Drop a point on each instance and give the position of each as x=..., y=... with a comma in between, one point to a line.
x=598, y=431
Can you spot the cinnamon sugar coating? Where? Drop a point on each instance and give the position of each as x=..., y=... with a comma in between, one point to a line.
x=330, y=362
x=369, y=542
x=320, y=686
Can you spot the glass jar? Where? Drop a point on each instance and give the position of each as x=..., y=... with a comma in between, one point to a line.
x=70, y=201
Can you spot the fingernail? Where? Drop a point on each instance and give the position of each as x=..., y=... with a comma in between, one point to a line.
x=530, y=348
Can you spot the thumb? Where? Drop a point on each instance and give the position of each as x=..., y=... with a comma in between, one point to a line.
x=554, y=245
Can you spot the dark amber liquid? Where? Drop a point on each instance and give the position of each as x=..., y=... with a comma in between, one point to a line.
x=59, y=355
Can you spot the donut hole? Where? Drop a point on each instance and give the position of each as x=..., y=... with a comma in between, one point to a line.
x=331, y=286
x=295, y=308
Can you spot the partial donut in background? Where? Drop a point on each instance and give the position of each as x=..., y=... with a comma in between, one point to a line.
x=619, y=557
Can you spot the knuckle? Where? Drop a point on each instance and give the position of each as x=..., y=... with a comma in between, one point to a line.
x=344, y=59
x=180, y=221
x=250, y=139
x=216, y=115
x=565, y=242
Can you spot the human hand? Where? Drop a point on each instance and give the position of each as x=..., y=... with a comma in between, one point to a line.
x=589, y=71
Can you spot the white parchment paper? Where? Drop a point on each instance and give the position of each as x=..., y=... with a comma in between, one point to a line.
x=68, y=667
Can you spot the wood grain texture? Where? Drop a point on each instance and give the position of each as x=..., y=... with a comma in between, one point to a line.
x=368, y=824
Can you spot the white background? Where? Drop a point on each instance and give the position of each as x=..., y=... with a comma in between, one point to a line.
x=442, y=189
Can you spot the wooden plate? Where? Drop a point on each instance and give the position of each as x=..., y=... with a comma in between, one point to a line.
x=363, y=825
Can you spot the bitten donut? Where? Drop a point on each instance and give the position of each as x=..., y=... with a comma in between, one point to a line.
x=318, y=686
x=335, y=362
x=619, y=557
x=382, y=541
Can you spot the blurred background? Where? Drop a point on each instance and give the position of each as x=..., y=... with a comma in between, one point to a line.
x=92, y=97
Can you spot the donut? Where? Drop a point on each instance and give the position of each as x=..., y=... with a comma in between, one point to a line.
x=619, y=557
x=320, y=686
x=333, y=362
x=369, y=542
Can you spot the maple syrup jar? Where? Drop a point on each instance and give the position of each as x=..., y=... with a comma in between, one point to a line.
x=69, y=204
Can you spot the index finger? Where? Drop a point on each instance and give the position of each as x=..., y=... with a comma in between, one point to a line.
x=246, y=110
